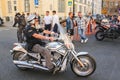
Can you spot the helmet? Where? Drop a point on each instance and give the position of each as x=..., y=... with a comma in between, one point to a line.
x=30, y=18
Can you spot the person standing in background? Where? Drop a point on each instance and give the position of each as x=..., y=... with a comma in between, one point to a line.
x=47, y=21
x=16, y=19
x=81, y=25
x=89, y=23
x=70, y=25
x=55, y=22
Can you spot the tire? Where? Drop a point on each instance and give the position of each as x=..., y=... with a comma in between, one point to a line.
x=99, y=35
x=90, y=66
x=17, y=56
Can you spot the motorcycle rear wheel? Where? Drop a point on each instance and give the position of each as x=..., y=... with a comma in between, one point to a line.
x=17, y=56
x=89, y=63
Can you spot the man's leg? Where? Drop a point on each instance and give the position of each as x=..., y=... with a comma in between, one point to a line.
x=14, y=25
x=80, y=33
x=83, y=34
x=49, y=29
x=45, y=53
x=19, y=34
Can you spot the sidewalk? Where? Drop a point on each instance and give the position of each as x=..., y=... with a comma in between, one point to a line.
x=8, y=24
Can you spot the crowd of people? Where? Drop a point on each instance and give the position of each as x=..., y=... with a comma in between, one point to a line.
x=50, y=23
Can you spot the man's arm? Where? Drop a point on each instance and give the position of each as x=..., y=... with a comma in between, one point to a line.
x=47, y=32
x=38, y=36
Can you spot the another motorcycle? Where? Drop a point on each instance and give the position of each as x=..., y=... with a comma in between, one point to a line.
x=62, y=51
x=107, y=30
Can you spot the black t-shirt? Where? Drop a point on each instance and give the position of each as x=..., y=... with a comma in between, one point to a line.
x=31, y=41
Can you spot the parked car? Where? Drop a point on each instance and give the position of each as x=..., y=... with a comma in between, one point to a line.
x=1, y=21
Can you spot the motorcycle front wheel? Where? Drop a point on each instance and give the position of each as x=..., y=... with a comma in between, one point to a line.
x=87, y=70
x=99, y=35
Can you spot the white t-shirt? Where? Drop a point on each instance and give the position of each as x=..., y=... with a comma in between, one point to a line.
x=55, y=20
x=47, y=19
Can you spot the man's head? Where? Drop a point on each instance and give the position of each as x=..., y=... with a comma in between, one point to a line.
x=70, y=14
x=31, y=19
x=54, y=12
x=47, y=13
x=79, y=14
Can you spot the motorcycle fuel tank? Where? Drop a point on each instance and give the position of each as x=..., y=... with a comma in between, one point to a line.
x=53, y=45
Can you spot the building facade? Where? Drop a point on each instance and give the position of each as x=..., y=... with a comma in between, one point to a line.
x=8, y=8
x=111, y=7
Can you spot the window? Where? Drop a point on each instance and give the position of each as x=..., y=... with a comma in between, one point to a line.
x=9, y=7
x=27, y=6
x=81, y=1
x=50, y=6
x=84, y=9
x=15, y=2
x=15, y=8
x=61, y=5
x=75, y=7
x=80, y=8
x=85, y=2
x=89, y=3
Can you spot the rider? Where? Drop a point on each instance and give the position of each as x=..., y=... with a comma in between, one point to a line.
x=33, y=39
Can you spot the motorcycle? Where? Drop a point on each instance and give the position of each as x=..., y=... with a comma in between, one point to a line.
x=62, y=51
x=108, y=30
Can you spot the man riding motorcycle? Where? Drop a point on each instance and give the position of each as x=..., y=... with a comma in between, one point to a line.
x=33, y=39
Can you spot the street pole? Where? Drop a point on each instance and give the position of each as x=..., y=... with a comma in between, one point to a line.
x=73, y=8
x=92, y=6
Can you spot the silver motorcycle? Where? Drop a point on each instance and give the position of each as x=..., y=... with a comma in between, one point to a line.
x=62, y=51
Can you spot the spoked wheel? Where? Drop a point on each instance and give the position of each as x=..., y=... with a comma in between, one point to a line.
x=89, y=66
x=17, y=56
x=99, y=35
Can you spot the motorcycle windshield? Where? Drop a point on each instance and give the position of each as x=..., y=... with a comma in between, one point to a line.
x=64, y=37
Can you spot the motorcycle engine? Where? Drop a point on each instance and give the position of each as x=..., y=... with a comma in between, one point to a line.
x=58, y=51
x=56, y=56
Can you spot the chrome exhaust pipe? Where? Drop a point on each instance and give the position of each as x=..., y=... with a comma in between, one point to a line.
x=28, y=65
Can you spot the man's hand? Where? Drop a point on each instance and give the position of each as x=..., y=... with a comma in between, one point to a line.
x=52, y=32
x=51, y=38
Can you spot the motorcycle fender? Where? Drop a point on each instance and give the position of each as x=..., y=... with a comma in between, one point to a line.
x=82, y=53
x=18, y=48
x=79, y=54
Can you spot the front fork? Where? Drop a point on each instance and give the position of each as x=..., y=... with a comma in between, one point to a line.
x=75, y=56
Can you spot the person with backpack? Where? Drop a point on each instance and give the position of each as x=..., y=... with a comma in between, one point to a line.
x=16, y=19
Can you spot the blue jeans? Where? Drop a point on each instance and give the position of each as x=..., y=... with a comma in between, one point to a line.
x=81, y=32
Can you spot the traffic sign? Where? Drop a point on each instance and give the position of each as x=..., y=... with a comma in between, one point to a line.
x=70, y=2
x=36, y=2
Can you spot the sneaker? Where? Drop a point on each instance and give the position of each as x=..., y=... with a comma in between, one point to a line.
x=82, y=41
x=86, y=40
